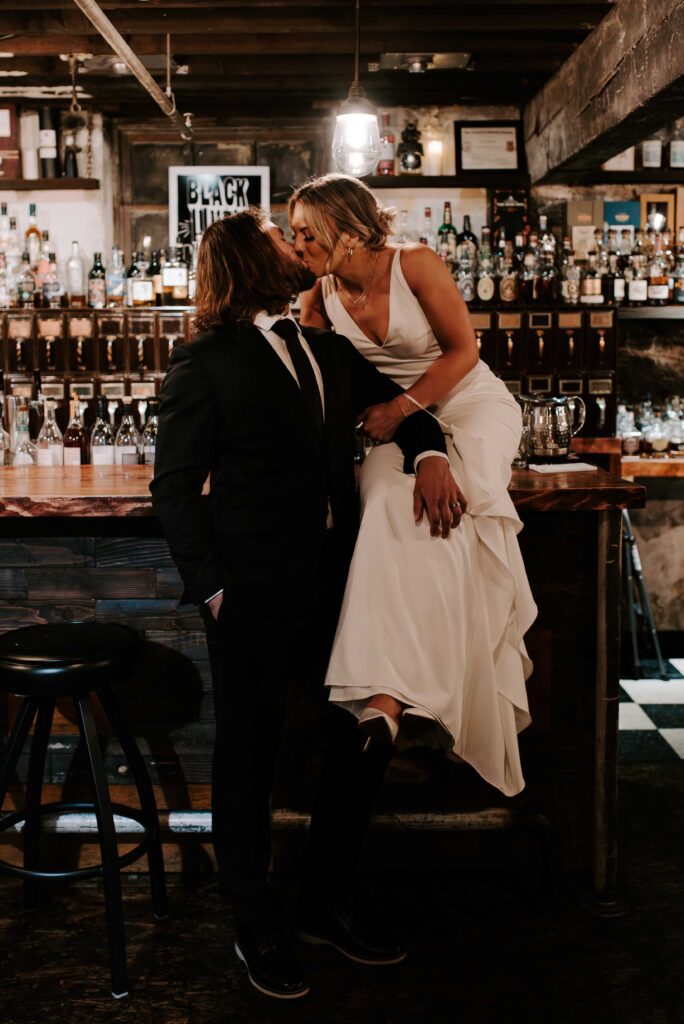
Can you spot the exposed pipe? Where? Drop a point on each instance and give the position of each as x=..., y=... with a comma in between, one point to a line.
x=113, y=37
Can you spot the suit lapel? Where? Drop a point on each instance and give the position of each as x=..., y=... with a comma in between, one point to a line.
x=331, y=386
x=273, y=372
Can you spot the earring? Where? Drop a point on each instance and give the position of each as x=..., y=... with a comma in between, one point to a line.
x=350, y=253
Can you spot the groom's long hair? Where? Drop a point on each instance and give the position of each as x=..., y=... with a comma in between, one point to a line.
x=240, y=272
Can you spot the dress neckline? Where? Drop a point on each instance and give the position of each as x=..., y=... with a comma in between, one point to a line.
x=358, y=326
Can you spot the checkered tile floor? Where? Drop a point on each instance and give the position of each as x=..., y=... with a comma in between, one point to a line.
x=652, y=718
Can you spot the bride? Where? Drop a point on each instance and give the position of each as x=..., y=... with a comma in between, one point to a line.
x=429, y=648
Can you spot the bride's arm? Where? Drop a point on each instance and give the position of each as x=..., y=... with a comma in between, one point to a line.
x=312, y=308
x=441, y=301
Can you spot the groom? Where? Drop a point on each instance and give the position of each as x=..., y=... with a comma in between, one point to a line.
x=267, y=412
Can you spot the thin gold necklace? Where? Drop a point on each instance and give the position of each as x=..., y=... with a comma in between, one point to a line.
x=362, y=299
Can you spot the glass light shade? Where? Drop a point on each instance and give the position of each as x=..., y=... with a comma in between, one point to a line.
x=356, y=143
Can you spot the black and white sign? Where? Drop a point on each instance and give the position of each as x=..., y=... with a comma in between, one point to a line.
x=200, y=195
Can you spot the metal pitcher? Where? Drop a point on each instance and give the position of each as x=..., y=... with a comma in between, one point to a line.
x=552, y=424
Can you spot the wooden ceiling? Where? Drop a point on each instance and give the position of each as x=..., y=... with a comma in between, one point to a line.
x=277, y=57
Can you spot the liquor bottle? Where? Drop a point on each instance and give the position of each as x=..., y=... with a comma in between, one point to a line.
x=571, y=281
x=175, y=280
x=32, y=237
x=590, y=289
x=427, y=234
x=599, y=244
x=43, y=263
x=49, y=443
x=148, y=441
x=658, y=290
x=465, y=278
x=612, y=243
x=97, y=294
x=508, y=283
x=637, y=286
x=24, y=449
x=4, y=228
x=115, y=280
x=518, y=252
x=501, y=250
x=7, y=290
x=678, y=281
x=48, y=147
x=155, y=272
x=447, y=234
x=613, y=283
x=486, y=284
x=70, y=165
x=13, y=251
x=386, y=161
x=403, y=234
x=102, y=437
x=139, y=286
x=625, y=249
x=26, y=284
x=127, y=439
x=529, y=273
x=547, y=240
x=638, y=246
x=75, y=437
x=547, y=284
x=52, y=287
x=466, y=237
x=75, y=278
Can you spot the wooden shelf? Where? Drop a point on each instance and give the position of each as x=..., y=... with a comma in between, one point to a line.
x=47, y=184
x=650, y=176
x=482, y=179
x=633, y=467
x=651, y=312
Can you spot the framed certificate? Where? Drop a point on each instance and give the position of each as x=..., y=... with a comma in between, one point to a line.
x=488, y=146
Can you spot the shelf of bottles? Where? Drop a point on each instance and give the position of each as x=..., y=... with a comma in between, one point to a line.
x=47, y=184
x=71, y=364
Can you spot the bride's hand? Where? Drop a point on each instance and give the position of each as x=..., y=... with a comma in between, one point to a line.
x=437, y=493
x=379, y=422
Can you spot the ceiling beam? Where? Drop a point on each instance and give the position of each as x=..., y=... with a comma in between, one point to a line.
x=624, y=82
x=113, y=5
x=304, y=44
x=209, y=21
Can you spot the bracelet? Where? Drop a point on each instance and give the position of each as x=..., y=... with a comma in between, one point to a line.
x=406, y=410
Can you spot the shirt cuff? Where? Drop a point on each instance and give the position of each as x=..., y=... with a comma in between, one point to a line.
x=208, y=599
x=423, y=455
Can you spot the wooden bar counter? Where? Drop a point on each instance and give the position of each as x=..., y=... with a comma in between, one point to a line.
x=82, y=543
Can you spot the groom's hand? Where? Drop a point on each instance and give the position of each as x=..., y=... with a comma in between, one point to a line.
x=437, y=494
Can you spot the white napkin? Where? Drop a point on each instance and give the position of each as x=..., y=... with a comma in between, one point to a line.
x=562, y=467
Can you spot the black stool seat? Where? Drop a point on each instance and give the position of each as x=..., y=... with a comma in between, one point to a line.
x=43, y=664
x=65, y=659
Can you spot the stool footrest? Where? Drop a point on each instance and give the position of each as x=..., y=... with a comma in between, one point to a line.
x=131, y=813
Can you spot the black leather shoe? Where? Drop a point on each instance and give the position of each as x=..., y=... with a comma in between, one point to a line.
x=341, y=930
x=271, y=965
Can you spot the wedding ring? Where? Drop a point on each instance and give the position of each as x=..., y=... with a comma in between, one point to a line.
x=454, y=504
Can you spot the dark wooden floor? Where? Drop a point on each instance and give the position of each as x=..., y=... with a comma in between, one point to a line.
x=482, y=949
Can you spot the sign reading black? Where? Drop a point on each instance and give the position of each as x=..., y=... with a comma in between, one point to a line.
x=200, y=195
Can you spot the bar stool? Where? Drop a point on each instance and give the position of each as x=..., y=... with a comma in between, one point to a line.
x=43, y=664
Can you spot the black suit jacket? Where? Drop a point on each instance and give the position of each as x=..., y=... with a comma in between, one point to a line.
x=231, y=409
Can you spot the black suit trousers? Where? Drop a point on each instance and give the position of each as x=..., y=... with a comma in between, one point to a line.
x=277, y=621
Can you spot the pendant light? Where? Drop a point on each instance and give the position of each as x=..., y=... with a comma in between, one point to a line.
x=356, y=142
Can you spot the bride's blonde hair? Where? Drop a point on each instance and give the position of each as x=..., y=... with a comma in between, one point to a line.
x=337, y=202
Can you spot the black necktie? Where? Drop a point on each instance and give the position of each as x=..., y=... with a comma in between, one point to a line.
x=308, y=385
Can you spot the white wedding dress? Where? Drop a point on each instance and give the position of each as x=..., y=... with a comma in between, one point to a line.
x=436, y=623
